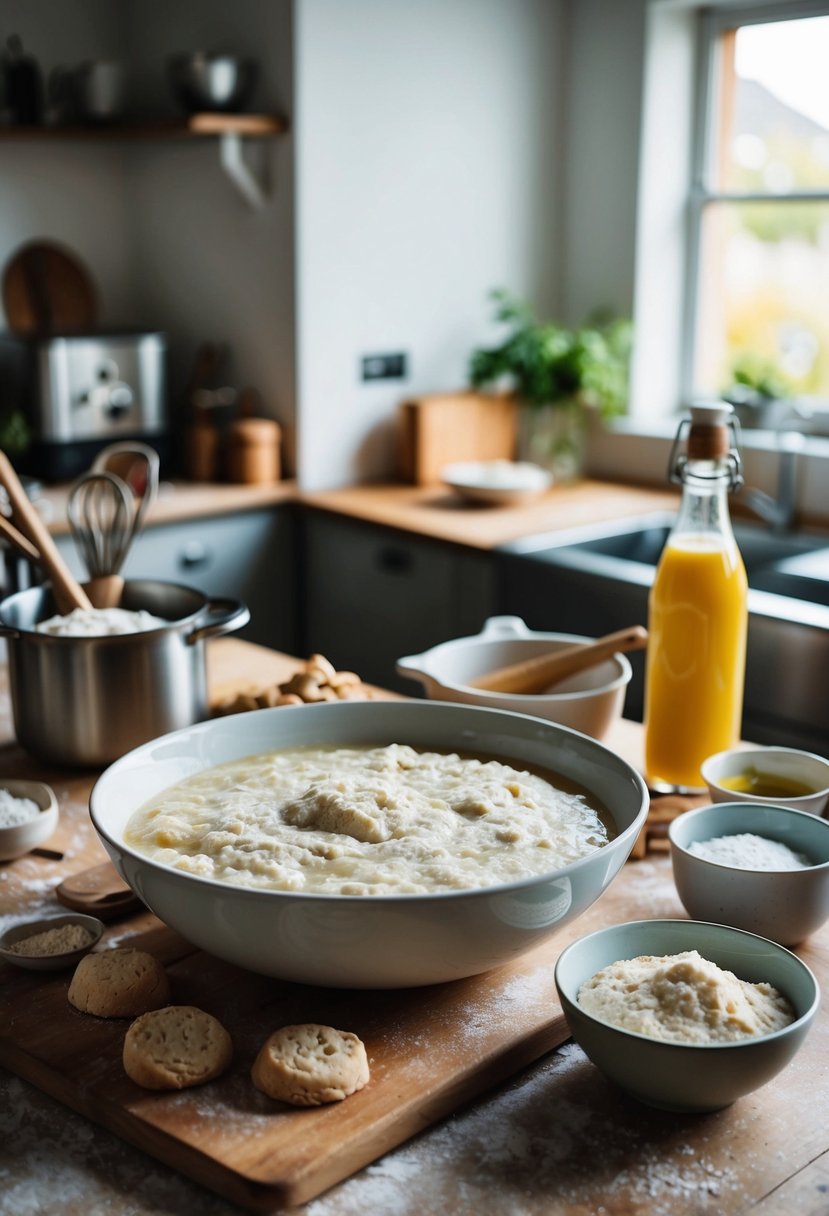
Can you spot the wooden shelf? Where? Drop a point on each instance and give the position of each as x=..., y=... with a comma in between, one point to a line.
x=196, y=126
x=228, y=129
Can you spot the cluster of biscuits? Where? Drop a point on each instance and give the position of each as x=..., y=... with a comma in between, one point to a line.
x=177, y=1046
x=317, y=681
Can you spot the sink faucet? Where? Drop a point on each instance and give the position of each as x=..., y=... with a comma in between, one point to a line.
x=779, y=512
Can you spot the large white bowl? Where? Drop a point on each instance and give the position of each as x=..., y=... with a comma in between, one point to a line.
x=369, y=941
x=589, y=701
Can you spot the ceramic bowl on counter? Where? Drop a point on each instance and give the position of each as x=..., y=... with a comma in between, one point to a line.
x=774, y=776
x=51, y=959
x=589, y=701
x=679, y=1076
x=785, y=905
x=369, y=941
x=498, y=483
x=16, y=839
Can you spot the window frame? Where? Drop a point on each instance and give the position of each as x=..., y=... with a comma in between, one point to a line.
x=712, y=24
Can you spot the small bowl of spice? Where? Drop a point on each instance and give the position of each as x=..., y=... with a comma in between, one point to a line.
x=28, y=816
x=47, y=945
x=757, y=867
x=775, y=776
x=685, y=1016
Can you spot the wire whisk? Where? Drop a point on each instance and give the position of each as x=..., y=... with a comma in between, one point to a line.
x=101, y=516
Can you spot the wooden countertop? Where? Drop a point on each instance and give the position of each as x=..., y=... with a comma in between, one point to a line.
x=430, y=511
x=436, y=512
x=558, y=1139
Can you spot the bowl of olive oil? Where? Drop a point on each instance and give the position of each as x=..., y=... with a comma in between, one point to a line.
x=779, y=776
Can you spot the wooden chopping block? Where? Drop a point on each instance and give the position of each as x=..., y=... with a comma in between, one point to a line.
x=440, y=428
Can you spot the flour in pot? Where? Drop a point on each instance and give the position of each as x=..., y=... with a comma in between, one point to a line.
x=366, y=821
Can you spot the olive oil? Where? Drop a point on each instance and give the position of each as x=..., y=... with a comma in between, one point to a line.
x=766, y=785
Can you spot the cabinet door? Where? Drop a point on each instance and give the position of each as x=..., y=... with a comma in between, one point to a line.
x=374, y=595
x=247, y=555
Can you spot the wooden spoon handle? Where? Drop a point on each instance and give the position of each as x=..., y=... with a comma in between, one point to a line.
x=18, y=540
x=105, y=591
x=66, y=590
x=537, y=674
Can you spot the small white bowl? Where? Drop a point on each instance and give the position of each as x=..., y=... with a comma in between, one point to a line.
x=589, y=701
x=497, y=482
x=783, y=905
x=686, y=1077
x=23, y=837
x=786, y=762
x=49, y=962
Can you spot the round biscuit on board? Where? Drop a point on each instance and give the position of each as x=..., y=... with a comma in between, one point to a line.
x=119, y=984
x=309, y=1065
x=176, y=1047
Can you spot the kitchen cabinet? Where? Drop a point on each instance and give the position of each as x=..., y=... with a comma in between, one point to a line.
x=373, y=595
x=246, y=554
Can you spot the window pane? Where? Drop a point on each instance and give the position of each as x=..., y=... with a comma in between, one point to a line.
x=774, y=107
x=762, y=314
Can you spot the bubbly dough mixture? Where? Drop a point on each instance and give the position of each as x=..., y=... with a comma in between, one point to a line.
x=365, y=821
x=100, y=623
x=683, y=998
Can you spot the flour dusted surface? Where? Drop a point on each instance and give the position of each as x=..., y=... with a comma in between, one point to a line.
x=364, y=821
x=683, y=998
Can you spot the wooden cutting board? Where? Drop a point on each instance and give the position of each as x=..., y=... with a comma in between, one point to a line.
x=430, y=1050
x=439, y=428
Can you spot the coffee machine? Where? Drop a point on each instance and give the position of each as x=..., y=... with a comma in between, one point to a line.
x=81, y=391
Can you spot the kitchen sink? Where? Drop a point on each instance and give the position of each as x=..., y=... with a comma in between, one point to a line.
x=594, y=580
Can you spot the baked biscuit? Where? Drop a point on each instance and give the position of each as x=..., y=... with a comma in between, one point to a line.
x=119, y=984
x=310, y=1065
x=175, y=1048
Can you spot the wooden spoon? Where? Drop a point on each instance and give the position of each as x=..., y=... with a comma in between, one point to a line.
x=18, y=540
x=100, y=891
x=536, y=675
x=66, y=590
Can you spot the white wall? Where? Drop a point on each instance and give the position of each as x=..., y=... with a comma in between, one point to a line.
x=428, y=172
x=605, y=59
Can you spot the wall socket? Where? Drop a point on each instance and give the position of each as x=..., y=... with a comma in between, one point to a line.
x=383, y=367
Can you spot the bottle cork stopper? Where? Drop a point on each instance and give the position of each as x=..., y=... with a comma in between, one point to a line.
x=709, y=437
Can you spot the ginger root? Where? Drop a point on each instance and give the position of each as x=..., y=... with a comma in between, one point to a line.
x=315, y=682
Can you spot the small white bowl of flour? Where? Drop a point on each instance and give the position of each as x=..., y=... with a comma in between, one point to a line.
x=756, y=867
x=28, y=816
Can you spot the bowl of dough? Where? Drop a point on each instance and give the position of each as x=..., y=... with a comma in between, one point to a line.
x=589, y=701
x=685, y=1016
x=757, y=867
x=369, y=844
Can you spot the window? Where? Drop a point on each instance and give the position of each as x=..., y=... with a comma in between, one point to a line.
x=758, y=287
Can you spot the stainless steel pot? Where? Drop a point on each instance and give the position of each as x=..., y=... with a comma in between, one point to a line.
x=87, y=701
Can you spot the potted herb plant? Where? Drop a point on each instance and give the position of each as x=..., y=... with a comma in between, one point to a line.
x=558, y=376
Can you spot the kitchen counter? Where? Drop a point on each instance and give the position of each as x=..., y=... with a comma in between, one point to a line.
x=431, y=511
x=558, y=1139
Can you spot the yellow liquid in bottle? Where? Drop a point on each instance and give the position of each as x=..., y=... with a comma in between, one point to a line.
x=696, y=658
